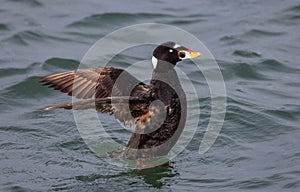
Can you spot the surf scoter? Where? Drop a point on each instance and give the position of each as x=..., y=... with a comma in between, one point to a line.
x=157, y=110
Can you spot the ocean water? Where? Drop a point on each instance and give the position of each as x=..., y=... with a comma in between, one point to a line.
x=256, y=44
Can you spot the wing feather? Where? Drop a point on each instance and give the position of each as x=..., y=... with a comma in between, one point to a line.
x=96, y=86
x=85, y=82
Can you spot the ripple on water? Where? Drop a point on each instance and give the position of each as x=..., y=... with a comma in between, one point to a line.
x=13, y=71
x=30, y=88
x=261, y=70
x=232, y=40
x=262, y=33
x=250, y=34
x=289, y=113
x=254, y=124
x=114, y=18
x=154, y=177
x=31, y=37
x=60, y=63
x=243, y=71
x=288, y=17
x=185, y=21
x=4, y=27
x=246, y=53
x=293, y=12
x=274, y=65
x=24, y=37
x=32, y=3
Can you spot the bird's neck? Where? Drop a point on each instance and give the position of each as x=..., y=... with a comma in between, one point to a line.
x=161, y=66
x=169, y=77
x=164, y=71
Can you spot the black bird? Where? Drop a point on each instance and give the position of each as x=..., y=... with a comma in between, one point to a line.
x=157, y=110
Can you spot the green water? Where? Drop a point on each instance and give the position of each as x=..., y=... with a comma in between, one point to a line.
x=256, y=44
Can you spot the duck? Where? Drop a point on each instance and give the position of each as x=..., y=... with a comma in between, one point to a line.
x=156, y=110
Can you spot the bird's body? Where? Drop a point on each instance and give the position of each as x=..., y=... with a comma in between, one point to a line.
x=157, y=110
x=165, y=125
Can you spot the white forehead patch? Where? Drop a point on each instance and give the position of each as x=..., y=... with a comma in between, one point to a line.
x=176, y=46
x=154, y=62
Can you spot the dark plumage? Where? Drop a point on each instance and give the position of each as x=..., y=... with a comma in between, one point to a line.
x=158, y=110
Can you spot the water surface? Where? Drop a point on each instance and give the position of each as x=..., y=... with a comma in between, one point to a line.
x=256, y=44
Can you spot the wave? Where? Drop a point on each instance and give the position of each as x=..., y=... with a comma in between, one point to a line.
x=246, y=53
x=4, y=27
x=32, y=3
x=27, y=37
x=56, y=64
x=98, y=20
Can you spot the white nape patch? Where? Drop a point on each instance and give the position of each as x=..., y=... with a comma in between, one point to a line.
x=154, y=62
x=176, y=46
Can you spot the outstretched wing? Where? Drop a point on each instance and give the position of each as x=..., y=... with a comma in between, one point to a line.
x=93, y=83
x=106, y=89
x=128, y=110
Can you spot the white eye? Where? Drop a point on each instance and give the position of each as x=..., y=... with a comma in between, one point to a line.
x=171, y=50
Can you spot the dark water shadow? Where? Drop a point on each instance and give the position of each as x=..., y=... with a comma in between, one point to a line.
x=156, y=177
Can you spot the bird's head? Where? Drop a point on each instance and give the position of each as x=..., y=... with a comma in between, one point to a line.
x=171, y=53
